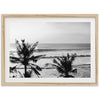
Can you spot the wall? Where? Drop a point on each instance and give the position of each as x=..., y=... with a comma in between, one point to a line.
x=49, y=92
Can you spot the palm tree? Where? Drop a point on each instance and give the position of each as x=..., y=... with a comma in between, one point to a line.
x=64, y=64
x=26, y=57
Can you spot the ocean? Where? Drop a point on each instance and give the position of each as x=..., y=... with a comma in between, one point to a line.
x=64, y=46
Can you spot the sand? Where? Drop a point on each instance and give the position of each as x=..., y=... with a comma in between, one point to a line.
x=83, y=71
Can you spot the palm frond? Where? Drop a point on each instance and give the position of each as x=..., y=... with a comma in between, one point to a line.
x=61, y=60
x=74, y=71
x=32, y=48
x=21, y=75
x=37, y=67
x=28, y=45
x=36, y=58
x=36, y=72
x=68, y=56
x=73, y=57
x=34, y=45
x=11, y=69
x=60, y=69
x=18, y=47
x=47, y=64
x=39, y=56
x=56, y=62
x=14, y=59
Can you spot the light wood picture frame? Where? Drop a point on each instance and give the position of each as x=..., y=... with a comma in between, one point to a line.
x=64, y=40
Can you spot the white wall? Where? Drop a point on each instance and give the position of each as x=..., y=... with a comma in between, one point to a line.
x=49, y=92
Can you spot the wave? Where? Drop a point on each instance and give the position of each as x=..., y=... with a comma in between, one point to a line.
x=61, y=56
x=83, y=55
x=49, y=50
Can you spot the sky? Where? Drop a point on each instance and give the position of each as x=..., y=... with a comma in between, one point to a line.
x=51, y=32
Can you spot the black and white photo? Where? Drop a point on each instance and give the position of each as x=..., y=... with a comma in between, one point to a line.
x=50, y=49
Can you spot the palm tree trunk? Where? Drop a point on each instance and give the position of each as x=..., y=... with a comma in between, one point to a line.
x=25, y=74
x=66, y=74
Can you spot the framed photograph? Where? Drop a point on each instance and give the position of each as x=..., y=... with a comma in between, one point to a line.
x=52, y=49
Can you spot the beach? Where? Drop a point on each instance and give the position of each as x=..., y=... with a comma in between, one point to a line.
x=81, y=62
x=83, y=70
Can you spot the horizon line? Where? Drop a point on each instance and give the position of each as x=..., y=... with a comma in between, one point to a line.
x=56, y=43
